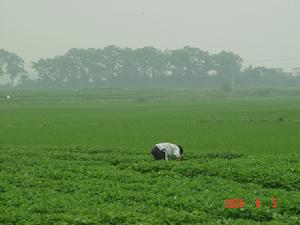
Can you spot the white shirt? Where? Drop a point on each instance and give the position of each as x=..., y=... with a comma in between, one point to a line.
x=169, y=149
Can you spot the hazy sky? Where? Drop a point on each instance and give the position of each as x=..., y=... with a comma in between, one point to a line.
x=257, y=30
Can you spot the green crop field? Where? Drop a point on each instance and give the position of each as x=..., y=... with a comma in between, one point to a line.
x=83, y=157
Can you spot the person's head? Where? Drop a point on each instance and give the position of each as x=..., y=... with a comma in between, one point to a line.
x=181, y=149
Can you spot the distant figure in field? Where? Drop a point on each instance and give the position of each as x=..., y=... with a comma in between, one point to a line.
x=167, y=150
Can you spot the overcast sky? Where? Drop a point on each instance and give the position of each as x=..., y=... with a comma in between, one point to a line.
x=264, y=31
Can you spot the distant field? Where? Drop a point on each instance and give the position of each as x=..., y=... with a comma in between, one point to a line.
x=82, y=157
x=137, y=119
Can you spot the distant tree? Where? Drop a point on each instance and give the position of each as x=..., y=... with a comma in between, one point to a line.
x=79, y=65
x=148, y=62
x=114, y=66
x=47, y=70
x=252, y=75
x=262, y=76
x=228, y=66
x=11, y=65
x=178, y=62
x=2, y=62
x=112, y=63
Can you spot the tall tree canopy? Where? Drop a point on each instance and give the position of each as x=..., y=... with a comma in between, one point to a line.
x=126, y=67
x=113, y=64
x=11, y=65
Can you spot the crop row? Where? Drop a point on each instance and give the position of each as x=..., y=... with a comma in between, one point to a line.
x=83, y=185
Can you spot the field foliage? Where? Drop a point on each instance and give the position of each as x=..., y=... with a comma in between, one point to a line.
x=84, y=157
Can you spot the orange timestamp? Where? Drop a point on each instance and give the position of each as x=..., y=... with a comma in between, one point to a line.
x=237, y=203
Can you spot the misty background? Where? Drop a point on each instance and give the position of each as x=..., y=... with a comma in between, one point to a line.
x=262, y=32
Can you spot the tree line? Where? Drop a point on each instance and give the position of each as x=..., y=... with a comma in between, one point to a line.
x=113, y=66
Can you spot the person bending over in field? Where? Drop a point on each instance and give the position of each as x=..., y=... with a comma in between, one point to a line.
x=166, y=151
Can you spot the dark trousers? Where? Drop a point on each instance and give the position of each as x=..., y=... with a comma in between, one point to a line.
x=157, y=154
